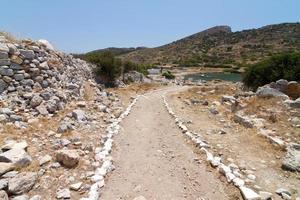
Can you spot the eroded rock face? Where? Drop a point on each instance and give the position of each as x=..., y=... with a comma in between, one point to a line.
x=22, y=182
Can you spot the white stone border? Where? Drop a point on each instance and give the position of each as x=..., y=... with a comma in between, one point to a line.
x=103, y=155
x=230, y=172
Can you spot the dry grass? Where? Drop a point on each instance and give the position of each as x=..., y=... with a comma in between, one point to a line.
x=9, y=37
x=134, y=89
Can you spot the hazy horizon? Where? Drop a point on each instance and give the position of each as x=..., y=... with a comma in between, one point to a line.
x=90, y=25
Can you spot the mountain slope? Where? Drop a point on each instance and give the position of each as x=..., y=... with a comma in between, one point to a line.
x=118, y=51
x=219, y=45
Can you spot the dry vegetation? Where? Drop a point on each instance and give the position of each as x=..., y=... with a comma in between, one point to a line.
x=133, y=90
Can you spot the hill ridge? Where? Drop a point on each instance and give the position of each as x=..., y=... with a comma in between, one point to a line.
x=220, y=44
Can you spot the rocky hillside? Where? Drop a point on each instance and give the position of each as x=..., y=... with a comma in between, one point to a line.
x=118, y=51
x=219, y=45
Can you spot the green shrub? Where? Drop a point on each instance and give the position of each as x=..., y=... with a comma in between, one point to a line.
x=282, y=66
x=168, y=75
x=109, y=67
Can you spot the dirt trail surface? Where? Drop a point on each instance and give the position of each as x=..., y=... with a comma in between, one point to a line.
x=154, y=160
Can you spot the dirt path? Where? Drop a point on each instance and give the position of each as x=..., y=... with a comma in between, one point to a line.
x=155, y=161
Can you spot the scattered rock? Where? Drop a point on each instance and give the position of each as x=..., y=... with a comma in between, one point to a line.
x=249, y=194
x=64, y=127
x=3, y=184
x=17, y=156
x=22, y=182
x=3, y=194
x=42, y=110
x=36, y=100
x=76, y=186
x=36, y=197
x=291, y=160
x=79, y=115
x=63, y=194
x=284, y=193
x=265, y=195
x=243, y=120
x=5, y=167
x=213, y=110
x=21, y=197
x=45, y=159
x=140, y=198
x=68, y=158
x=12, y=144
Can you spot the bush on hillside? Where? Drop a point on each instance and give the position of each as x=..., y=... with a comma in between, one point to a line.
x=282, y=66
x=109, y=67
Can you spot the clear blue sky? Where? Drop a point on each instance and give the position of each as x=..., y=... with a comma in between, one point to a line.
x=83, y=25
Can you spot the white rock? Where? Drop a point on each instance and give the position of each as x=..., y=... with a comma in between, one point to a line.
x=12, y=144
x=16, y=156
x=238, y=182
x=140, y=198
x=45, y=159
x=63, y=194
x=265, y=195
x=229, y=176
x=46, y=43
x=249, y=194
x=251, y=177
x=76, y=186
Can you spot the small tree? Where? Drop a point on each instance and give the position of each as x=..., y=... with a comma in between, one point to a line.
x=108, y=65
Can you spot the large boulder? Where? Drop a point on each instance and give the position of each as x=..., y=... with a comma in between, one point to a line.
x=280, y=85
x=22, y=182
x=291, y=161
x=270, y=92
x=293, y=89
